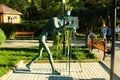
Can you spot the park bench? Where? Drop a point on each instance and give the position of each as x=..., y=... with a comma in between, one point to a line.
x=24, y=35
x=100, y=45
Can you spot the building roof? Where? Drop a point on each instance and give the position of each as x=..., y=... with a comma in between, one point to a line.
x=8, y=10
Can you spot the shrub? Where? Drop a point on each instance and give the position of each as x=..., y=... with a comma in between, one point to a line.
x=2, y=37
x=9, y=30
x=30, y=25
x=57, y=42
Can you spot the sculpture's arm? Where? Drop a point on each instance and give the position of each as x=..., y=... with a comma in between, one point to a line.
x=59, y=24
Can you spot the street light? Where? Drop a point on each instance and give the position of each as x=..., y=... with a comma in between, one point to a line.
x=114, y=13
x=63, y=6
x=64, y=34
x=63, y=1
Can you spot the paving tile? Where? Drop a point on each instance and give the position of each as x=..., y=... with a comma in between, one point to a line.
x=42, y=71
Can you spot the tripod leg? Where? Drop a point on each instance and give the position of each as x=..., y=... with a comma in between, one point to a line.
x=68, y=52
x=80, y=66
x=76, y=44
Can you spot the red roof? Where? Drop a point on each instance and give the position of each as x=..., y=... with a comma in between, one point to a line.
x=8, y=10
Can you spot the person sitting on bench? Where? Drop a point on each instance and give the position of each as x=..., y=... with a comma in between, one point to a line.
x=91, y=34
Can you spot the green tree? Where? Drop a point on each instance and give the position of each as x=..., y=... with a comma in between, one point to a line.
x=88, y=11
x=50, y=8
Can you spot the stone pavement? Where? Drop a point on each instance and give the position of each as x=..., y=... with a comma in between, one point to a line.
x=107, y=60
x=42, y=71
x=20, y=43
x=32, y=43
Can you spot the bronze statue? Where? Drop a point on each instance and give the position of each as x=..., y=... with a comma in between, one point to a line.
x=54, y=25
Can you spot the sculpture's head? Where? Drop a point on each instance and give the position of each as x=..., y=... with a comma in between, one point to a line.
x=68, y=12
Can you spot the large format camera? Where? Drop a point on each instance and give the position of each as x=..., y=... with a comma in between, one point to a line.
x=72, y=22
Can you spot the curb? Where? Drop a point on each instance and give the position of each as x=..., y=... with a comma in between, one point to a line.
x=62, y=61
x=10, y=72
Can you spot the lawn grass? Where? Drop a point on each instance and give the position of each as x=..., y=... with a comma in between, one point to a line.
x=9, y=57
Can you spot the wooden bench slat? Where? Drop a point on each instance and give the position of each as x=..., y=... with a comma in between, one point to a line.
x=24, y=34
x=19, y=33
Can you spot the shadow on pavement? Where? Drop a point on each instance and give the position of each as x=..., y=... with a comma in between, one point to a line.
x=70, y=78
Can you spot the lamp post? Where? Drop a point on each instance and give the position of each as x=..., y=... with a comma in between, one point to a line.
x=63, y=2
x=64, y=38
x=63, y=6
x=64, y=34
x=114, y=12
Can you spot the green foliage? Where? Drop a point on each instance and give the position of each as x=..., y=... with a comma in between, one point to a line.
x=58, y=39
x=89, y=12
x=40, y=22
x=31, y=25
x=9, y=30
x=82, y=53
x=57, y=54
x=118, y=21
x=9, y=58
x=4, y=70
x=57, y=42
x=2, y=37
x=80, y=36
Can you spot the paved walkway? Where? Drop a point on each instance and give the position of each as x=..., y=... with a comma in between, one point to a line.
x=20, y=43
x=32, y=43
x=88, y=71
x=42, y=71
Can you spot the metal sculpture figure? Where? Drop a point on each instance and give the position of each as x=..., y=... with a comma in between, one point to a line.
x=54, y=25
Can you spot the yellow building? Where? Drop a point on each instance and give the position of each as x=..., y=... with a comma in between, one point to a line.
x=9, y=15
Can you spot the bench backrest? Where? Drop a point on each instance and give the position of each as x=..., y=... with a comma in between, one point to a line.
x=99, y=44
x=24, y=33
x=97, y=41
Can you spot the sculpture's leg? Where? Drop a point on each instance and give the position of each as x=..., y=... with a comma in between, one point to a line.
x=36, y=58
x=44, y=44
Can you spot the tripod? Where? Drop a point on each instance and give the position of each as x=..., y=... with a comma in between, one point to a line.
x=71, y=36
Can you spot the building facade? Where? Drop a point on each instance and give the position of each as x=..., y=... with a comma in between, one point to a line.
x=9, y=15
